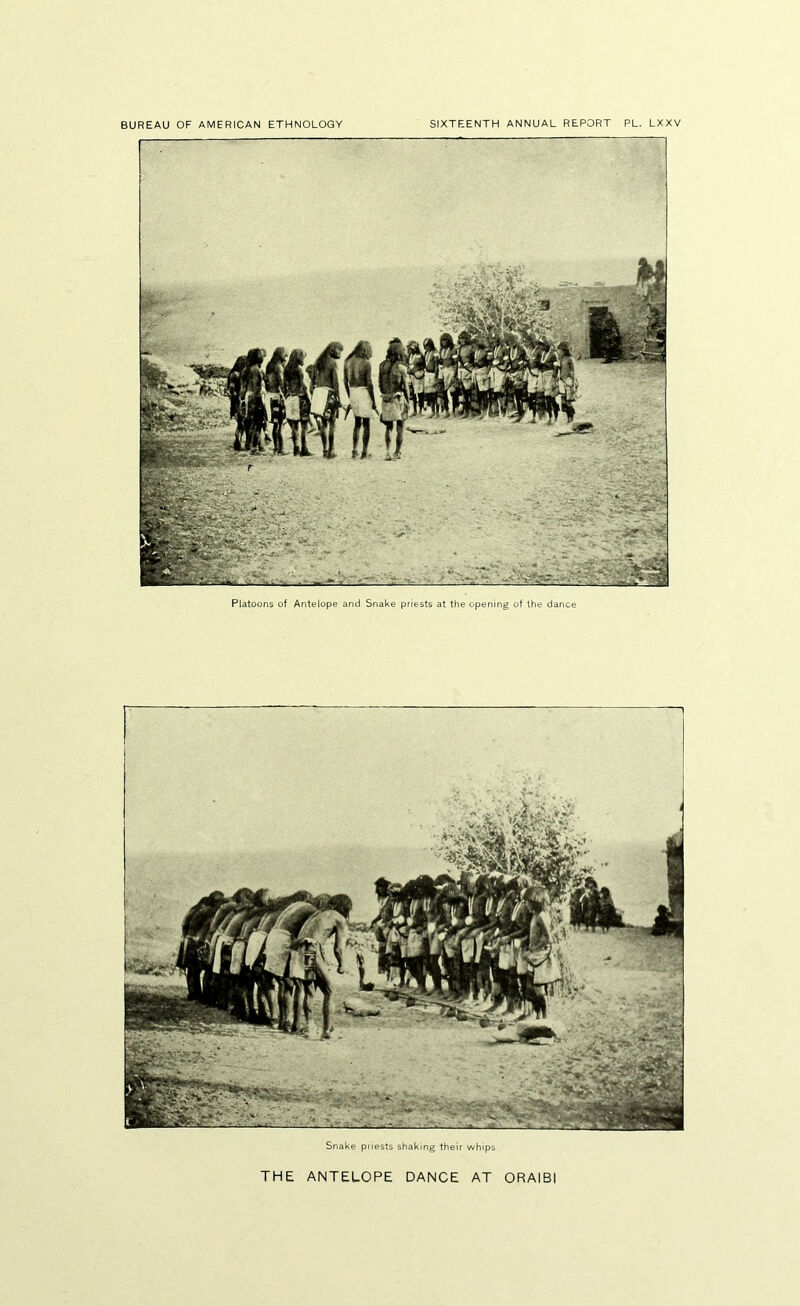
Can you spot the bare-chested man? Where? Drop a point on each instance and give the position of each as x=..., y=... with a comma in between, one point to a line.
x=361, y=393
x=331, y=922
x=253, y=401
x=325, y=397
x=277, y=956
x=393, y=383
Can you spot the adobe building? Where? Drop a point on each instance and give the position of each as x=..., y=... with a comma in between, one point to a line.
x=675, y=877
x=576, y=313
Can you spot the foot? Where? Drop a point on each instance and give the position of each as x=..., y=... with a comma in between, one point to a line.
x=396, y=457
x=354, y=454
x=364, y=455
x=388, y=458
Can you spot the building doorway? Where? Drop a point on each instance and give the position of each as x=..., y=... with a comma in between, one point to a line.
x=596, y=319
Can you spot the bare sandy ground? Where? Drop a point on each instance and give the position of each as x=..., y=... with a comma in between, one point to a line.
x=619, y=1065
x=471, y=502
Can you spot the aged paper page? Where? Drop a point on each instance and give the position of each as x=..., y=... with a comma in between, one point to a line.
x=699, y=1206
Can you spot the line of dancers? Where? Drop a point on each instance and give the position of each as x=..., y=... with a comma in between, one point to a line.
x=485, y=942
x=490, y=376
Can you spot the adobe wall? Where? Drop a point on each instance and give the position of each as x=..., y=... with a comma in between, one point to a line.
x=569, y=312
x=675, y=879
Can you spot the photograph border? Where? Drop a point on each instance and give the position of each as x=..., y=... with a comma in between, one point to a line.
x=359, y=586
x=405, y=707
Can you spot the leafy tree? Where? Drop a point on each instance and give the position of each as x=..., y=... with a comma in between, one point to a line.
x=517, y=824
x=485, y=296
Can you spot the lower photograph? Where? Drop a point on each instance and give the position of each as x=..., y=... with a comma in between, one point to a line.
x=404, y=917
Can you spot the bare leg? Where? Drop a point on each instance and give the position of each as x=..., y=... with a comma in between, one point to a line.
x=388, y=433
x=326, y=1015
x=399, y=441
x=356, y=433
x=365, y=434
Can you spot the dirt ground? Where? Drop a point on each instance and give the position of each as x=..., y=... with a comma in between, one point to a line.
x=619, y=1065
x=470, y=503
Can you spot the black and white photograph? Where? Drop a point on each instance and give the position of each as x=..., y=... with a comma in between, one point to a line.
x=366, y=917
x=408, y=361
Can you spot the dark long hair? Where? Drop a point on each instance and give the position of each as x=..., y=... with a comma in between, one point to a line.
x=326, y=353
x=279, y=355
x=362, y=350
x=294, y=368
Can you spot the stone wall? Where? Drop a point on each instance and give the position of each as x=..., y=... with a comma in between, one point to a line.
x=569, y=313
x=675, y=875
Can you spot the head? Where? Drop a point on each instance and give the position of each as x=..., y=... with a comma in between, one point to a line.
x=332, y=350
x=412, y=347
x=428, y=343
x=279, y=355
x=537, y=896
x=255, y=357
x=426, y=886
x=261, y=897
x=396, y=891
x=381, y=887
x=341, y=903
x=396, y=352
x=243, y=895
x=463, y=337
x=322, y=901
x=362, y=350
x=563, y=348
x=468, y=878
x=299, y=895
x=445, y=340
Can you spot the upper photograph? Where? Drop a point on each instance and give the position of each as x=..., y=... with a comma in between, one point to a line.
x=403, y=362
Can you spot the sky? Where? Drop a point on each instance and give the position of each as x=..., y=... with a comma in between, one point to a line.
x=240, y=779
x=220, y=210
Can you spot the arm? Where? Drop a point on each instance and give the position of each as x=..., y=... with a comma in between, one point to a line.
x=339, y=944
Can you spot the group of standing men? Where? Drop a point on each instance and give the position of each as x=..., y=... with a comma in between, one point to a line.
x=487, y=376
x=263, y=395
x=263, y=958
x=494, y=375
x=484, y=942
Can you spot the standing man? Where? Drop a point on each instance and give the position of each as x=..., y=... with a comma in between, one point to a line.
x=325, y=398
x=498, y=377
x=360, y=392
x=330, y=922
x=393, y=385
x=517, y=371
